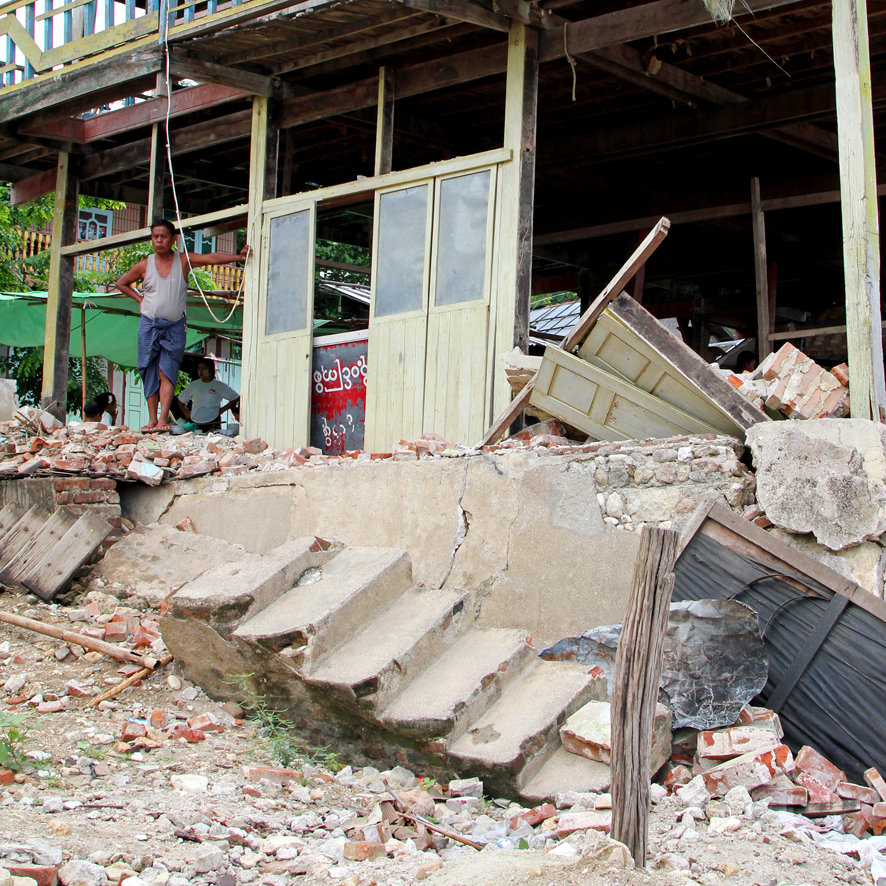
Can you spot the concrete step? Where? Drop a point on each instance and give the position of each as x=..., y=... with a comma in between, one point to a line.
x=565, y=772
x=316, y=619
x=460, y=686
x=389, y=653
x=515, y=737
x=231, y=593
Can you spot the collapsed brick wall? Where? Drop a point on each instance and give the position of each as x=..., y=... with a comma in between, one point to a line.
x=97, y=495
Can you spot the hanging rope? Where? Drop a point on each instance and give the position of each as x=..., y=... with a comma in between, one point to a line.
x=569, y=58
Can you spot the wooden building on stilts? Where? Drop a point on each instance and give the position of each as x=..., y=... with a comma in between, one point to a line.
x=483, y=151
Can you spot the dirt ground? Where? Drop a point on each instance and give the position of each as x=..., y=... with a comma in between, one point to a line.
x=140, y=813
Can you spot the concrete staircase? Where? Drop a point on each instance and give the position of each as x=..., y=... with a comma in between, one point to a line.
x=343, y=642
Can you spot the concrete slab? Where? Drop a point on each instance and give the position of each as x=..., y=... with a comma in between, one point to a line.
x=154, y=560
x=566, y=772
x=461, y=684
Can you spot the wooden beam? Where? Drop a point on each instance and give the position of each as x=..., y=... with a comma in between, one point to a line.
x=130, y=72
x=157, y=173
x=12, y=173
x=324, y=35
x=463, y=11
x=140, y=234
x=360, y=51
x=794, y=334
x=636, y=22
x=616, y=285
x=685, y=129
x=636, y=682
x=384, y=129
x=60, y=290
x=33, y=186
x=186, y=65
x=125, y=120
x=761, y=272
x=861, y=224
x=690, y=216
x=678, y=85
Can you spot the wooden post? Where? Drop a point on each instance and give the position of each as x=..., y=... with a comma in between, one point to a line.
x=516, y=193
x=761, y=272
x=288, y=148
x=54, y=395
x=83, y=358
x=861, y=226
x=637, y=678
x=263, y=156
x=384, y=129
x=157, y=175
x=638, y=284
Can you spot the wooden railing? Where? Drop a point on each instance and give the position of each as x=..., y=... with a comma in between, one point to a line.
x=90, y=27
x=34, y=242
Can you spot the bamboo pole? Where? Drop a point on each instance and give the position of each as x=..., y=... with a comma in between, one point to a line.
x=636, y=681
x=77, y=639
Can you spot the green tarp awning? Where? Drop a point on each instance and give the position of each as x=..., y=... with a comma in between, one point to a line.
x=111, y=323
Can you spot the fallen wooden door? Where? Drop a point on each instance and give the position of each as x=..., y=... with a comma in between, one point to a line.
x=616, y=348
x=458, y=317
x=603, y=405
x=281, y=415
x=398, y=314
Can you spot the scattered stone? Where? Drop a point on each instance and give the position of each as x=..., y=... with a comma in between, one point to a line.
x=82, y=873
x=190, y=784
x=466, y=787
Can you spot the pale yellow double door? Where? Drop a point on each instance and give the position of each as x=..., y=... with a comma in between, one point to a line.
x=429, y=322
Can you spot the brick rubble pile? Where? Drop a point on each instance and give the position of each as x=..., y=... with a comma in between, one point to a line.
x=793, y=384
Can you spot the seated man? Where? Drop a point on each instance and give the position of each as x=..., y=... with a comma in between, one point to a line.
x=94, y=409
x=205, y=395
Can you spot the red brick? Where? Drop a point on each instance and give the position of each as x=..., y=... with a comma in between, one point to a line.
x=679, y=775
x=818, y=793
x=749, y=770
x=859, y=792
x=6, y=776
x=360, y=850
x=538, y=814
x=102, y=483
x=181, y=730
x=724, y=744
x=278, y=776
x=875, y=780
x=841, y=373
x=859, y=823
x=115, y=632
x=206, y=722
x=782, y=792
x=820, y=768
x=44, y=875
x=159, y=719
x=591, y=820
x=132, y=730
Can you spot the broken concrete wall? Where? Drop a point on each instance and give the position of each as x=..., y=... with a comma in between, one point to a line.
x=822, y=484
x=524, y=530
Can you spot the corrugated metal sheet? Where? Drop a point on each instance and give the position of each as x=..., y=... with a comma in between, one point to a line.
x=837, y=705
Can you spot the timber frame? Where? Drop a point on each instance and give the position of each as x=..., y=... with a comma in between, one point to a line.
x=603, y=118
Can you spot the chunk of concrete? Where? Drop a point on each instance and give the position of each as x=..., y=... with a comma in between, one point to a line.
x=588, y=733
x=154, y=560
x=865, y=564
x=825, y=476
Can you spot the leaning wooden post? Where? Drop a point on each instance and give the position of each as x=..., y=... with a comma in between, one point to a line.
x=761, y=272
x=83, y=359
x=637, y=678
x=57, y=340
x=858, y=191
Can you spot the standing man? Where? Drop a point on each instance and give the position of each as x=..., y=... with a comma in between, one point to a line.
x=161, y=333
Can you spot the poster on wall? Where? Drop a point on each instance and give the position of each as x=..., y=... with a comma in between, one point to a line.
x=93, y=224
x=338, y=392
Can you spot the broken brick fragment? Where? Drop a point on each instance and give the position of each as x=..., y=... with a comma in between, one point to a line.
x=206, y=723
x=809, y=761
x=876, y=781
x=818, y=793
x=748, y=770
x=360, y=850
x=278, y=776
x=44, y=875
x=848, y=791
x=132, y=730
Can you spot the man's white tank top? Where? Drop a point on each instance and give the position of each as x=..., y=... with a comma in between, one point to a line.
x=164, y=297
